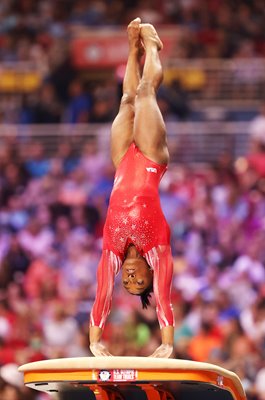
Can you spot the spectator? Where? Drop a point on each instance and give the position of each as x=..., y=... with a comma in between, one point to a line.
x=256, y=161
x=14, y=179
x=47, y=110
x=259, y=384
x=92, y=161
x=253, y=322
x=79, y=105
x=257, y=129
x=14, y=265
x=60, y=332
x=68, y=157
x=38, y=273
x=176, y=98
x=256, y=158
x=35, y=240
x=11, y=383
x=79, y=266
x=37, y=165
x=75, y=189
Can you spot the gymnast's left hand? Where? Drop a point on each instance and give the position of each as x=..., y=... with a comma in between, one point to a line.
x=99, y=350
x=163, y=351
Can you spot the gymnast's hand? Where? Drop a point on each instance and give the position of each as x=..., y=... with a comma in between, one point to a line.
x=99, y=350
x=163, y=351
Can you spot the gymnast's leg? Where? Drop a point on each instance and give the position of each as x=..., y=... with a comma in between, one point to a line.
x=121, y=138
x=150, y=132
x=149, y=127
x=122, y=127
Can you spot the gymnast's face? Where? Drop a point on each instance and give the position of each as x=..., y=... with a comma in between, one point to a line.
x=136, y=275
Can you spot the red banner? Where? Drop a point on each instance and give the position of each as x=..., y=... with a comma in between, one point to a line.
x=110, y=49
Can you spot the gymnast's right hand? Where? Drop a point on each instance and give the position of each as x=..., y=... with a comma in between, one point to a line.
x=163, y=351
x=99, y=350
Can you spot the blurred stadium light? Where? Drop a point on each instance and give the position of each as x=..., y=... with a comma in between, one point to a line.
x=236, y=82
x=227, y=82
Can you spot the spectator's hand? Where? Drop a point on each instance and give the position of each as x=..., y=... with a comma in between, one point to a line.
x=163, y=351
x=99, y=350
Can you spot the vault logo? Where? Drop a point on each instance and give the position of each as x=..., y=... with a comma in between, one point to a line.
x=104, y=375
x=117, y=375
x=151, y=169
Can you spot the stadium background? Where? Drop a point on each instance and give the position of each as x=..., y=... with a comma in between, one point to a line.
x=61, y=69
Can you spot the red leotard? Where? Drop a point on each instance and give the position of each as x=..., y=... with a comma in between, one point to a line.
x=135, y=217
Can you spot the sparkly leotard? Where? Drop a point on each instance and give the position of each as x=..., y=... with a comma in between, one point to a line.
x=135, y=217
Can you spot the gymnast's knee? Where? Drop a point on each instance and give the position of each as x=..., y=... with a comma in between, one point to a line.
x=145, y=89
x=127, y=99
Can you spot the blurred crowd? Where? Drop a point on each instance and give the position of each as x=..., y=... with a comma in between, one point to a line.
x=53, y=207
x=51, y=220
x=215, y=28
x=39, y=32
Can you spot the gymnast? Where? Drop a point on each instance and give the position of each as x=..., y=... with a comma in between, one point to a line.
x=136, y=238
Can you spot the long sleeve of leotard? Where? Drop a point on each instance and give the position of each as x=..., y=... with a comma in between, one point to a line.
x=109, y=266
x=160, y=259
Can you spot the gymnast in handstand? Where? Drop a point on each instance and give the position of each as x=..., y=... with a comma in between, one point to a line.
x=136, y=238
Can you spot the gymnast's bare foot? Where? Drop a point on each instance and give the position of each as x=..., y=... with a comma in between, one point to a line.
x=149, y=36
x=133, y=31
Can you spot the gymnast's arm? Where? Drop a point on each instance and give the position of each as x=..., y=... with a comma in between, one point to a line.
x=162, y=263
x=107, y=268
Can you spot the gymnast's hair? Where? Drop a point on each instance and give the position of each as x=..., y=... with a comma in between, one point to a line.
x=146, y=296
